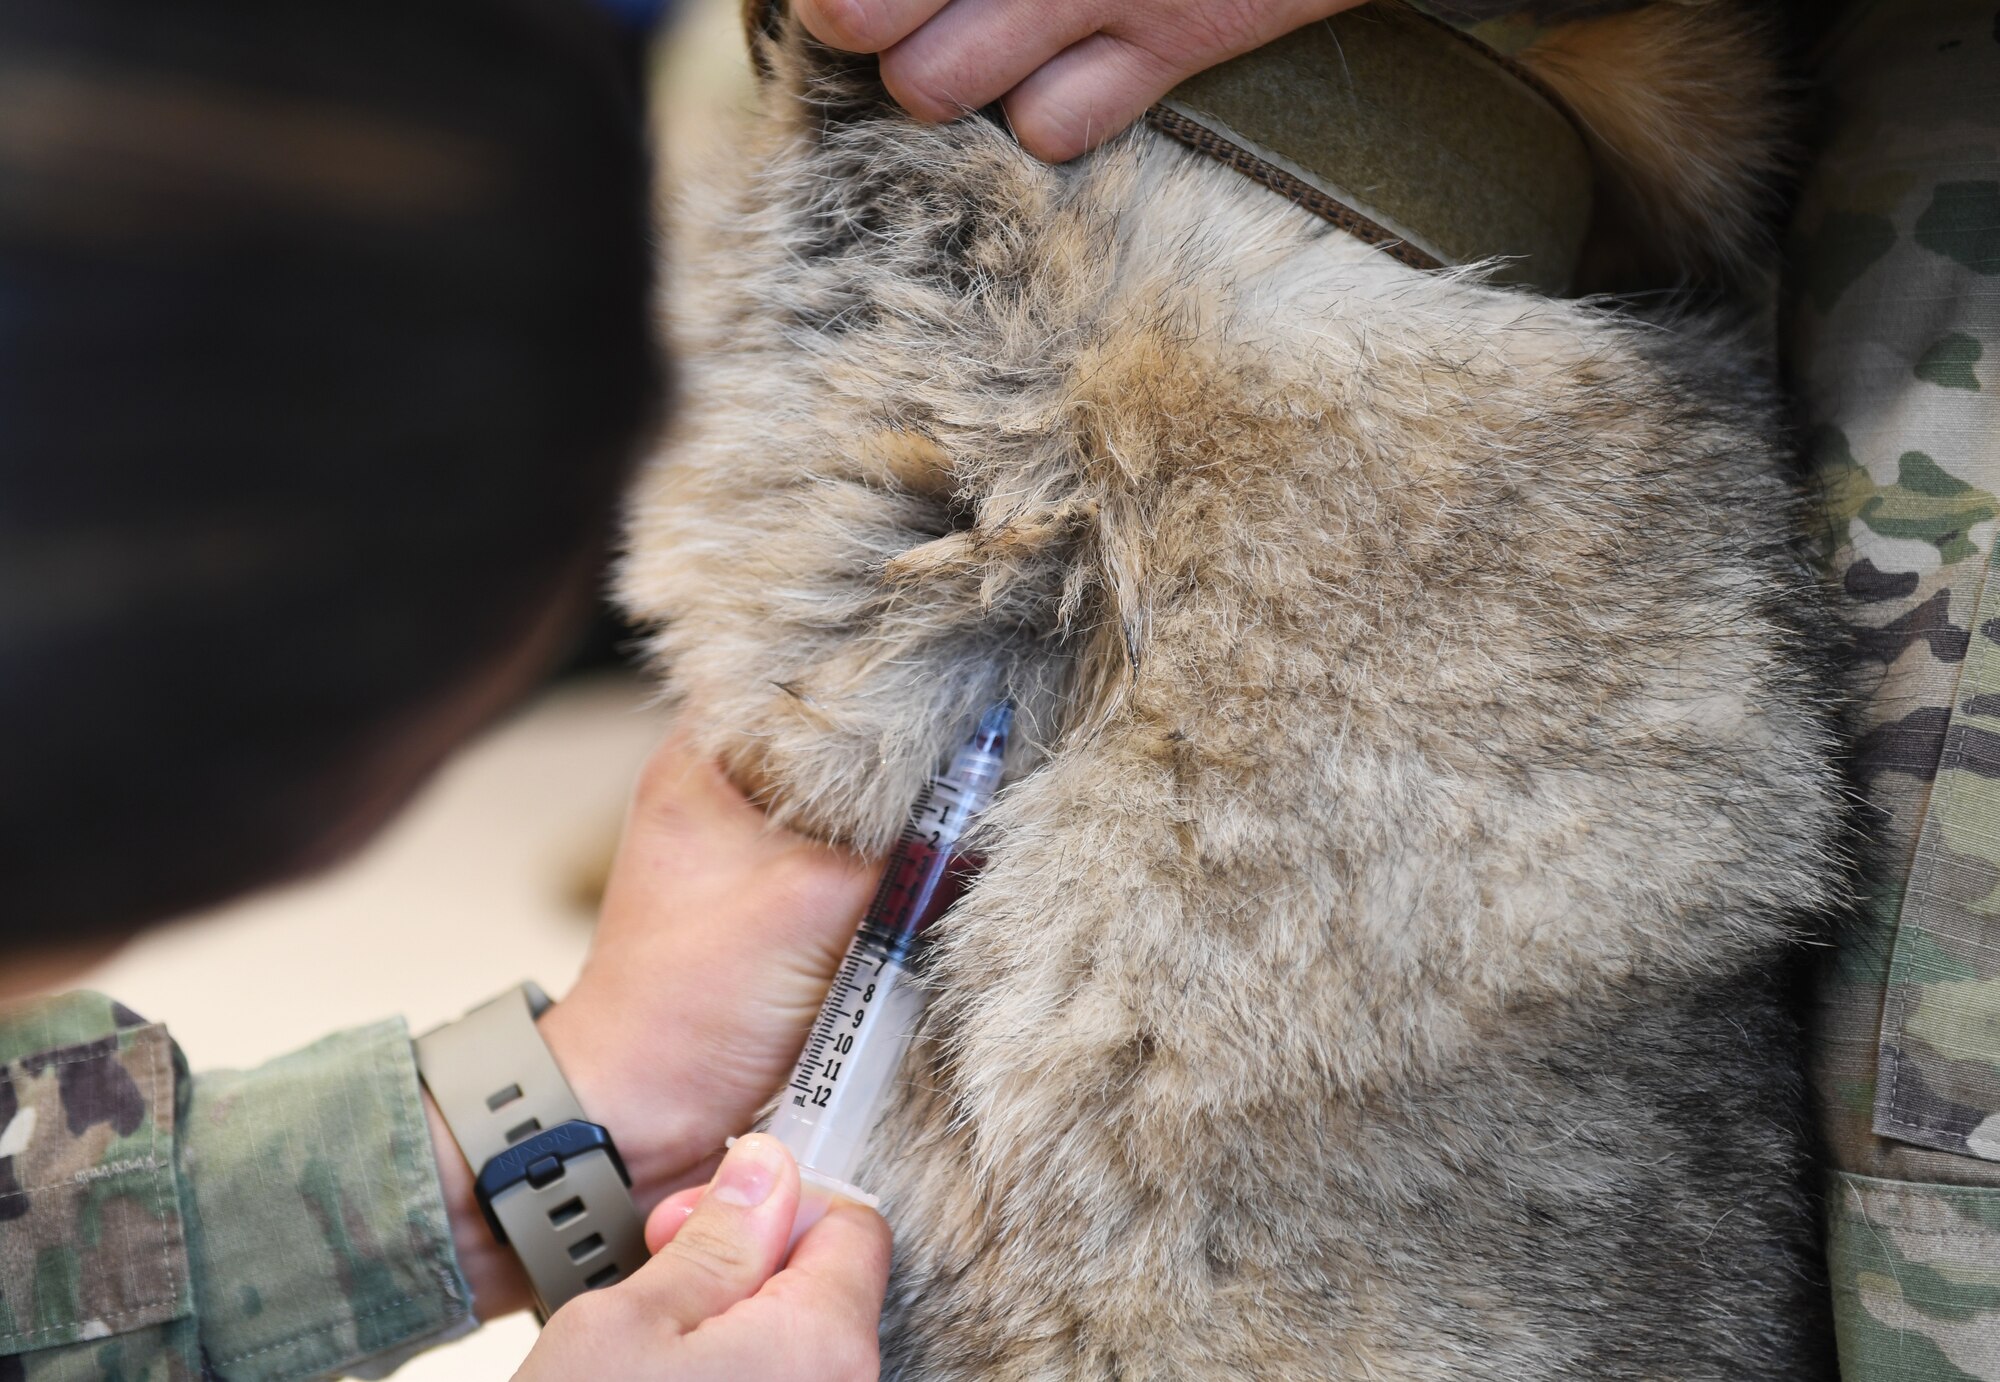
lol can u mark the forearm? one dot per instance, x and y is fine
(276, 1223)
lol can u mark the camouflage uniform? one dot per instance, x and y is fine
(280, 1223)
(1894, 331)
(287, 1222)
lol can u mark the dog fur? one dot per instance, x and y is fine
(1681, 105)
(1424, 768)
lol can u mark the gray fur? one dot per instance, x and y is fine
(1427, 769)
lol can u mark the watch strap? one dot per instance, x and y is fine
(565, 1209)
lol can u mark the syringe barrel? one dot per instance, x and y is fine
(925, 872)
(836, 1094)
(851, 1059)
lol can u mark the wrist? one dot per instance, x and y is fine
(665, 1142)
(598, 1091)
(499, 1286)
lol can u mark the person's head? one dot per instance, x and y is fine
(323, 350)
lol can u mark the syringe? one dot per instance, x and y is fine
(827, 1110)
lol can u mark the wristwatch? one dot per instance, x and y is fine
(549, 1181)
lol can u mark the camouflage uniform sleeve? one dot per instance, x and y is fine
(1893, 325)
(278, 1223)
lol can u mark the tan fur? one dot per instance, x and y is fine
(1424, 764)
(1676, 99)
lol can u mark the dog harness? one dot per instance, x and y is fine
(1407, 135)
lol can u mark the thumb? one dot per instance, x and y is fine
(733, 1241)
(669, 1214)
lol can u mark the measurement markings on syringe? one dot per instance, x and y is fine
(832, 1037)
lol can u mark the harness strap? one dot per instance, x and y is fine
(1404, 133)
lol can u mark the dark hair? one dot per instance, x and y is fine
(323, 350)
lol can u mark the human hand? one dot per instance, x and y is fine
(718, 936)
(716, 942)
(1070, 73)
(712, 1304)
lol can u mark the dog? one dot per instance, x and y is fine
(1429, 725)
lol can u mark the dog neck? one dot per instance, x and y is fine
(1403, 132)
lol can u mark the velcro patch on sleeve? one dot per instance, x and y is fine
(91, 1236)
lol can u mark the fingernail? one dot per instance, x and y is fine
(749, 1172)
